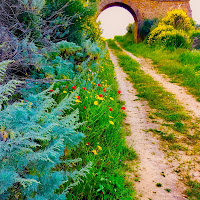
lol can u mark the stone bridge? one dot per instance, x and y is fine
(146, 9)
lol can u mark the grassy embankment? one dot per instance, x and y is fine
(104, 145)
(166, 107)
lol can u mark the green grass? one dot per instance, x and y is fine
(181, 65)
(194, 191)
(104, 143)
(164, 103)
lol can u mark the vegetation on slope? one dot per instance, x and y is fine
(62, 135)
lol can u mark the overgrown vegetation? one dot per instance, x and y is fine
(61, 128)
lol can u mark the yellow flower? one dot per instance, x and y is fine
(100, 98)
(100, 148)
(111, 117)
(88, 92)
(77, 101)
(64, 91)
(111, 122)
(94, 152)
(96, 103)
(111, 99)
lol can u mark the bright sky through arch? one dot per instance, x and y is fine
(114, 20)
(195, 6)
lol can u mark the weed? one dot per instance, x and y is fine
(168, 190)
(158, 184)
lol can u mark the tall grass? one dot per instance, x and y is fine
(104, 144)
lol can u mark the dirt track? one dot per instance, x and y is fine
(181, 94)
(153, 167)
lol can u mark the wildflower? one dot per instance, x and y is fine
(74, 87)
(111, 122)
(96, 103)
(94, 152)
(104, 89)
(111, 99)
(99, 147)
(84, 107)
(77, 101)
(119, 92)
(100, 95)
(84, 88)
(66, 86)
(99, 85)
(88, 143)
(55, 94)
(25, 100)
(111, 117)
(78, 97)
(110, 109)
(123, 108)
(64, 91)
(51, 90)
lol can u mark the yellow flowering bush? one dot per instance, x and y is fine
(154, 36)
(172, 31)
(179, 20)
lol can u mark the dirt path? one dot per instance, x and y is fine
(153, 165)
(181, 94)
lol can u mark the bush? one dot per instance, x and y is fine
(172, 31)
(179, 20)
(195, 35)
(146, 27)
(154, 36)
(174, 39)
(130, 28)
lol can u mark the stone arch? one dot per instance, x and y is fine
(128, 6)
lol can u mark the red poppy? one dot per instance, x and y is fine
(110, 109)
(55, 94)
(99, 84)
(60, 110)
(100, 95)
(66, 86)
(84, 88)
(119, 92)
(78, 97)
(51, 90)
(123, 108)
(74, 87)
(104, 89)
(84, 107)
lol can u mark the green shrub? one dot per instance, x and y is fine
(146, 27)
(172, 31)
(130, 28)
(179, 20)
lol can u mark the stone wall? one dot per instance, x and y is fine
(147, 9)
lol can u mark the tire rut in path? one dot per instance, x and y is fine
(181, 94)
(152, 160)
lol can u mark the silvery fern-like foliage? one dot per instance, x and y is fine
(35, 134)
(7, 89)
